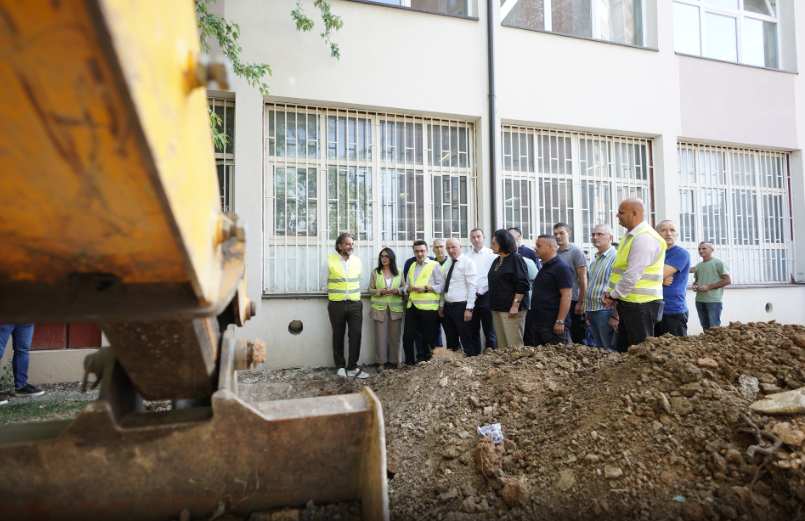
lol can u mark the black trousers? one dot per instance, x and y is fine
(578, 329)
(458, 332)
(424, 320)
(528, 337)
(674, 323)
(544, 335)
(637, 322)
(482, 316)
(343, 314)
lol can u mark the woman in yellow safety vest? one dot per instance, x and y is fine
(387, 309)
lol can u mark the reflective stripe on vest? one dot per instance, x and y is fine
(341, 286)
(649, 286)
(426, 301)
(381, 302)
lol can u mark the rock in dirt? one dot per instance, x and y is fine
(565, 481)
(516, 493)
(748, 387)
(789, 435)
(791, 402)
(612, 472)
(488, 457)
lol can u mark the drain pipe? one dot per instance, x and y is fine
(493, 127)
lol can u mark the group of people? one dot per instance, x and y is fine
(517, 295)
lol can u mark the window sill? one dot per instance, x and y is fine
(414, 9)
(301, 295)
(735, 63)
(581, 37)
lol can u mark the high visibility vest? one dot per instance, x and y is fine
(426, 301)
(649, 286)
(381, 302)
(341, 286)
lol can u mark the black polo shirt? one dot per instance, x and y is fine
(555, 274)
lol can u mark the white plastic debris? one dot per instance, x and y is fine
(749, 387)
(492, 431)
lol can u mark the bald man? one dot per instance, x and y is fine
(635, 285)
(458, 299)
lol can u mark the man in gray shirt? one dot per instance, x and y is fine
(573, 256)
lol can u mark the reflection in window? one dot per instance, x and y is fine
(403, 204)
(687, 37)
(349, 139)
(759, 43)
(296, 196)
(720, 37)
(517, 205)
(349, 192)
(457, 7)
(447, 146)
(225, 156)
(450, 206)
(618, 21)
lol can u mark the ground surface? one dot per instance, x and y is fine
(657, 433)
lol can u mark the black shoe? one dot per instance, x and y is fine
(28, 390)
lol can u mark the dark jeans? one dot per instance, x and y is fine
(578, 329)
(544, 335)
(599, 324)
(674, 323)
(22, 335)
(528, 337)
(457, 332)
(483, 316)
(637, 322)
(345, 313)
(420, 341)
(709, 314)
(424, 320)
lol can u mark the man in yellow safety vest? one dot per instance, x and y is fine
(340, 275)
(635, 285)
(423, 284)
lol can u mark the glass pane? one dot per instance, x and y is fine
(770, 44)
(526, 13)
(729, 4)
(758, 6)
(221, 113)
(617, 21)
(571, 17)
(229, 127)
(721, 37)
(753, 42)
(687, 38)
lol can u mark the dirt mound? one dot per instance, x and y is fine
(658, 433)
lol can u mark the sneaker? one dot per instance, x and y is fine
(3, 400)
(28, 390)
(357, 372)
(342, 372)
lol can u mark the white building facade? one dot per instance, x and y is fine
(693, 105)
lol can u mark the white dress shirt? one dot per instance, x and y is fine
(644, 252)
(324, 273)
(483, 261)
(462, 282)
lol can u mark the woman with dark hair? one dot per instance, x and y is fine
(508, 283)
(385, 287)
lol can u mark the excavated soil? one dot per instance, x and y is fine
(661, 432)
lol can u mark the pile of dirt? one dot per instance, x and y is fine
(658, 433)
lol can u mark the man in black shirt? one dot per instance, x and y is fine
(550, 299)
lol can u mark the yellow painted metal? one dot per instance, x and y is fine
(104, 145)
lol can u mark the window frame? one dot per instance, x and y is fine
(227, 157)
(312, 250)
(746, 261)
(739, 14)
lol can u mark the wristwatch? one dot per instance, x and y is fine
(518, 300)
(469, 309)
(560, 322)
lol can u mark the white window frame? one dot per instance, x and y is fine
(227, 157)
(595, 30)
(317, 247)
(745, 261)
(739, 15)
(576, 176)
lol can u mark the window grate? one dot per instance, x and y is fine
(737, 199)
(225, 156)
(388, 179)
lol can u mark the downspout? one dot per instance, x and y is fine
(493, 127)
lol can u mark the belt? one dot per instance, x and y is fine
(455, 303)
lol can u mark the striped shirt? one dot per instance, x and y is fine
(598, 279)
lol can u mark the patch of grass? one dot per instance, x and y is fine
(24, 411)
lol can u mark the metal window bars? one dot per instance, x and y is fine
(225, 156)
(577, 178)
(738, 199)
(388, 179)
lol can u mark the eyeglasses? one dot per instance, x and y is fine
(384, 257)
(598, 235)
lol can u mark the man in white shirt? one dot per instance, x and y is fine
(340, 277)
(458, 299)
(482, 314)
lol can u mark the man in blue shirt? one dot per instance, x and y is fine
(550, 299)
(674, 286)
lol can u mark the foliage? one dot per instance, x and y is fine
(212, 26)
(6, 377)
(25, 410)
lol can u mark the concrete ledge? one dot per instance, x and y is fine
(46, 367)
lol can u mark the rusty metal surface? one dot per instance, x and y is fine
(151, 466)
(169, 359)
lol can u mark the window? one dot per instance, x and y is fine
(570, 177)
(388, 179)
(225, 157)
(743, 31)
(737, 199)
(457, 7)
(619, 21)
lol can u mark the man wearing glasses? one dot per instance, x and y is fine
(423, 285)
(603, 321)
